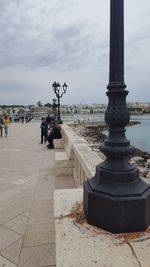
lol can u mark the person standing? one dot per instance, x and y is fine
(48, 120)
(26, 118)
(44, 130)
(6, 122)
(22, 119)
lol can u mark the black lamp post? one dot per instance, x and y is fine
(116, 199)
(59, 93)
(54, 106)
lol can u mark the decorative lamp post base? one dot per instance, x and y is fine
(123, 209)
(116, 199)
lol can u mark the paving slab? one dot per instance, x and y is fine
(6, 263)
(12, 252)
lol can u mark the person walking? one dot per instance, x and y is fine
(6, 122)
(44, 130)
(1, 127)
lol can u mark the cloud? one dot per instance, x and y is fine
(43, 41)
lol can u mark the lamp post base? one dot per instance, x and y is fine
(126, 208)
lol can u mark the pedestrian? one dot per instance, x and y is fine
(1, 127)
(6, 122)
(48, 120)
(22, 119)
(55, 133)
(44, 130)
(26, 118)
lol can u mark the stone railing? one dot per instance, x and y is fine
(78, 150)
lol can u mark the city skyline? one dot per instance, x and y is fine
(69, 42)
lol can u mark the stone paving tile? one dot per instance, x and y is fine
(40, 214)
(3, 181)
(37, 256)
(20, 181)
(28, 192)
(12, 252)
(18, 224)
(142, 250)
(6, 187)
(21, 188)
(32, 183)
(27, 214)
(23, 200)
(39, 234)
(6, 263)
(7, 237)
(2, 208)
(43, 195)
(45, 183)
(8, 194)
(11, 213)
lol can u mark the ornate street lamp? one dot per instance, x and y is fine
(59, 93)
(116, 199)
(54, 106)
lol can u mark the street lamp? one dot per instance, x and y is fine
(116, 199)
(59, 93)
(54, 106)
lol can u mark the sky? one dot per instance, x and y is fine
(68, 41)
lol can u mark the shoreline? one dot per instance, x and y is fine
(94, 135)
(96, 132)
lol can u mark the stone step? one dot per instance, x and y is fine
(62, 160)
(63, 166)
(64, 171)
(58, 143)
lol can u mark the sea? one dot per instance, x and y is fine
(139, 134)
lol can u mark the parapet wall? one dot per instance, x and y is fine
(77, 149)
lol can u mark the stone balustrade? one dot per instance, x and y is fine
(78, 151)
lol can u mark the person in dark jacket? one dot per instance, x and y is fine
(44, 130)
(55, 133)
(48, 120)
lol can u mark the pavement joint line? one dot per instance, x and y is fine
(7, 228)
(8, 260)
(133, 253)
(39, 245)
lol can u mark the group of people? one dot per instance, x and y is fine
(4, 122)
(23, 119)
(50, 130)
(26, 119)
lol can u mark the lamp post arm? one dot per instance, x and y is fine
(61, 94)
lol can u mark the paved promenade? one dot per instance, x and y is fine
(27, 181)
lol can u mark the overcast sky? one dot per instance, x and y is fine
(68, 41)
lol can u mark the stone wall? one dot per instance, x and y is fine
(78, 150)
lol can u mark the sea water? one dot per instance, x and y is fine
(139, 135)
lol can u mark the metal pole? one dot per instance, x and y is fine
(59, 118)
(116, 199)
